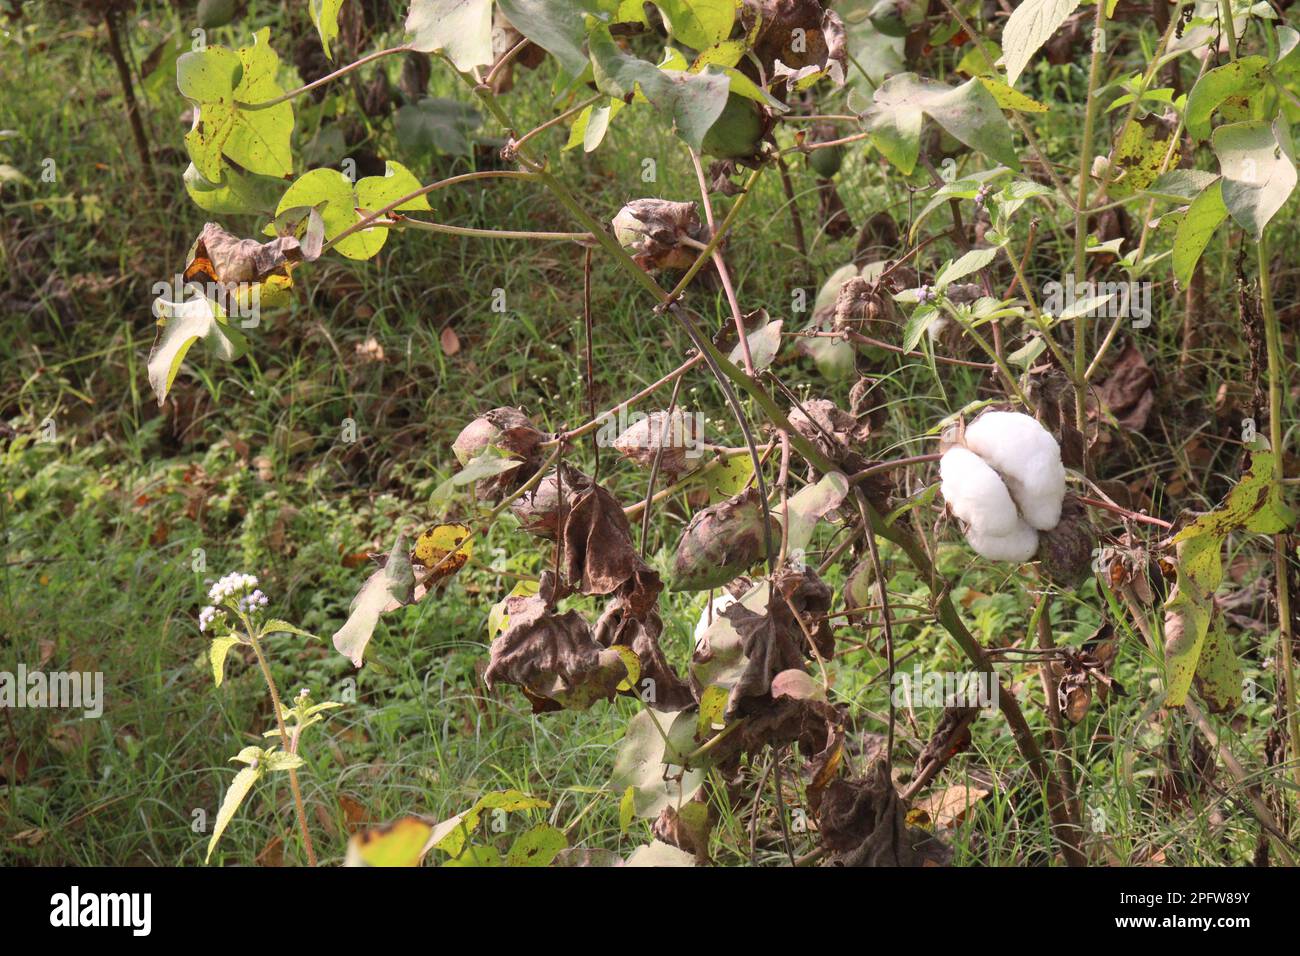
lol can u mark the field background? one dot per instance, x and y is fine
(100, 525)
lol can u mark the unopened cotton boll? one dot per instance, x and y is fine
(1027, 457)
(976, 494)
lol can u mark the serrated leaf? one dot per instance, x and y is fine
(217, 653)
(969, 263)
(238, 790)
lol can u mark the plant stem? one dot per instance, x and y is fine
(1276, 388)
(284, 740)
(128, 93)
(1081, 219)
(328, 78)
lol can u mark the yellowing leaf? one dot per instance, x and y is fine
(400, 843)
(445, 548)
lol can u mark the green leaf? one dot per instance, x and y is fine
(1030, 25)
(437, 125)
(1219, 675)
(1181, 185)
(968, 112)
(698, 24)
(810, 504)
(235, 192)
(239, 788)
(277, 626)
(1259, 172)
(400, 843)
(536, 847)
(183, 324)
(387, 588)
(281, 760)
(460, 29)
(1203, 217)
(589, 129)
(1244, 77)
(217, 655)
(1254, 504)
(693, 100)
(338, 201)
(920, 320)
(645, 756)
(221, 84)
(557, 26)
(973, 261)
(325, 14)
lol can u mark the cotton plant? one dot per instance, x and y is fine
(237, 616)
(1005, 481)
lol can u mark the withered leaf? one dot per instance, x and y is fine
(552, 657)
(226, 259)
(599, 556)
(618, 628)
(864, 823)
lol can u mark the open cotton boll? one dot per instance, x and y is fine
(1019, 544)
(1027, 457)
(720, 604)
(976, 494)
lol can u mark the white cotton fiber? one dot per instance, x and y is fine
(720, 604)
(1020, 544)
(1028, 458)
(976, 494)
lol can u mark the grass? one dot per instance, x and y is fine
(103, 525)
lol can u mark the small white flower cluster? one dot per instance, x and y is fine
(252, 602)
(239, 586)
(1006, 484)
(232, 584)
(208, 615)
